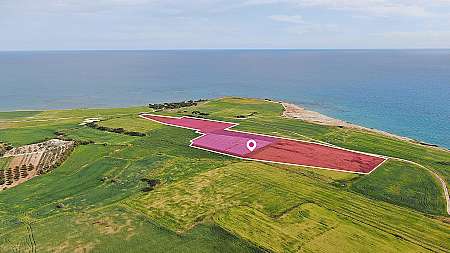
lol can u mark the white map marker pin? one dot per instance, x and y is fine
(251, 145)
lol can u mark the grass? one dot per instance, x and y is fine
(265, 205)
(212, 203)
(17, 115)
(89, 113)
(269, 121)
(81, 174)
(4, 162)
(117, 229)
(29, 135)
(87, 134)
(83, 190)
(131, 123)
(52, 117)
(404, 184)
(435, 159)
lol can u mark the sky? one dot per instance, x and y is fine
(214, 24)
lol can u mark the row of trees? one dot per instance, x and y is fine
(176, 105)
(199, 113)
(13, 174)
(49, 160)
(115, 130)
(5, 147)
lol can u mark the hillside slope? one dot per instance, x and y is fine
(119, 193)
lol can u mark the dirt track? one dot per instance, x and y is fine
(296, 112)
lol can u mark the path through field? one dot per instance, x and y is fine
(216, 136)
(442, 181)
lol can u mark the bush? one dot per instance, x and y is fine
(176, 105)
(147, 189)
(200, 113)
(151, 184)
(114, 130)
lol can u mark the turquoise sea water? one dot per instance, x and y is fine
(406, 92)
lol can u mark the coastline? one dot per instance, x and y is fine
(297, 112)
(291, 110)
(294, 111)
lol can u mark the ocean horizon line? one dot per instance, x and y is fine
(383, 89)
(224, 49)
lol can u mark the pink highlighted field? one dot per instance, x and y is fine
(204, 126)
(216, 136)
(232, 143)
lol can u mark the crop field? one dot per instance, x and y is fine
(131, 123)
(219, 137)
(404, 184)
(28, 135)
(17, 115)
(272, 200)
(29, 161)
(117, 192)
(119, 229)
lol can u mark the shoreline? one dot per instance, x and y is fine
(294, 111)
(291, 110)
(297, 112)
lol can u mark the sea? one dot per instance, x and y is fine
(405, 92)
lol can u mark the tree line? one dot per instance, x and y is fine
(118, 130)
(176, 105)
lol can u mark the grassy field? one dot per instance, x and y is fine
(28, 135)
(403, 184)
(4, 163)
(86, 134)
(266, 205)
(269, 121)
(207, 202)
(17, 115)
(117, 229)
(131, 123)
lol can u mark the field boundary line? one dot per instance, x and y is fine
(201, 134)
(265, 135)
(444, 186)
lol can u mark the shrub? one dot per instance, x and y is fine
(114, 130)
(176, 105)
(151, 184)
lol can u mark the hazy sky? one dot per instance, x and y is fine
(169, 24)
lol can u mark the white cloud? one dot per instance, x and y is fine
(309, 28)
(298, 26)
(416, 39)
(370, 7)
(92, 6)
(411, 8)
(414, 35)
(295, 19)
(218, 23)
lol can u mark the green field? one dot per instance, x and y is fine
(404, 184)
(27, 135)
(17, 115)
(207, 202)
(4, 163)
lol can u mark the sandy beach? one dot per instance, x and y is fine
(298, 112)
